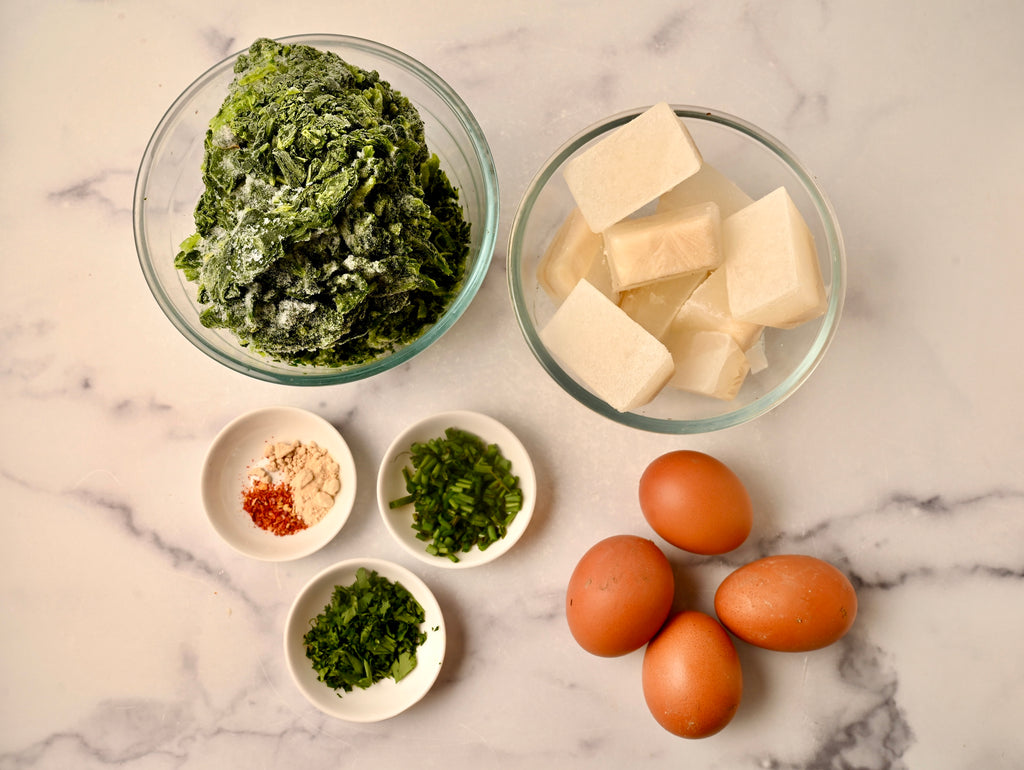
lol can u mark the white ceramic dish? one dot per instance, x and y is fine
(386, 698)
(391, 484)
(238, 447)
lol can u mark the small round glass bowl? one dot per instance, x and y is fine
(383, 699)
(758, 163)
(169, 184)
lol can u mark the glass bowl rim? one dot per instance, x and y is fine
(471, 282)
(767, 401)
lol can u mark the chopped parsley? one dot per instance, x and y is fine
(369, 631)
(327, 233)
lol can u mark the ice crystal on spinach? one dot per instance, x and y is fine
(327, 233)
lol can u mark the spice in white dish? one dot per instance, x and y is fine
(310, 471)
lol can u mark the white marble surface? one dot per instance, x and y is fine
(132, 637)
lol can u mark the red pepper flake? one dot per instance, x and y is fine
(271, 507)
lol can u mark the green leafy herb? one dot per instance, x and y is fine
(369, 631)
(327, 232)
(463, 492)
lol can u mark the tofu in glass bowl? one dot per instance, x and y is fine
(676, 269)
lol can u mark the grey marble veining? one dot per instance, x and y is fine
(132, 637)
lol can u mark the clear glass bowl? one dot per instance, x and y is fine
(169, 184)
(758, 163)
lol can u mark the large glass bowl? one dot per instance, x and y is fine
(758, 163)
(169, 184)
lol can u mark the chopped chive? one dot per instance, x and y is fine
(463, 492)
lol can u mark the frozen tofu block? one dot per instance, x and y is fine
(569, 257)
(707, 363)
(632, 166)
(756, 356)
(642, 250)
(655, 305)
(606, 349)
(707, 309)
(708, 184)
(772, 275)
(600, 277)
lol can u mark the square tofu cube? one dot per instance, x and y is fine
(664, 245)
(707, 363)
(771, 266)
(655, 305)
(632, 166)
(707, 309)
(600, 277)
(756, 355)
(708, 184)
(570, 256)
(609, 352)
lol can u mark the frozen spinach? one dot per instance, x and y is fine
(327, 233)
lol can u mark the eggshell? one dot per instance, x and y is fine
(692, 680)
(695, 502)
(619, 595)
(788, 603)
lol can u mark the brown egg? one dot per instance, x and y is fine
(691, 675)
(619, 595)
(695, 502)
(789, 603)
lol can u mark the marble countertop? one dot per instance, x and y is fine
(133, 637)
